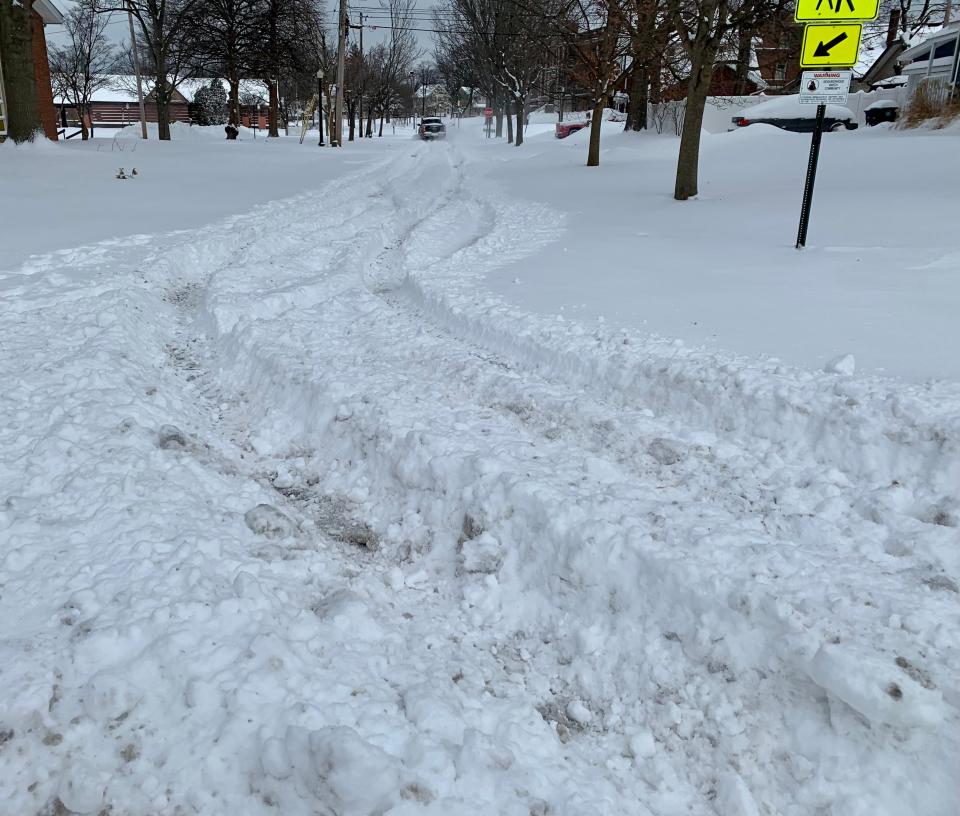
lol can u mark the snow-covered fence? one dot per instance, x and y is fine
(667, 117)
(858, 102)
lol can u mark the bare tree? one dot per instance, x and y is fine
(168, 47)
(227, 37)
(285, 33)
(389, 65)
(597, 42)
(80, 66)
(703, 27)
(506, 42)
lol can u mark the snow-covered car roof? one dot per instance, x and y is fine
(789, 107)
(882, 103)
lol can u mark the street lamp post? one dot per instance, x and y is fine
(423, 82)
(413, 98)
(320, 105)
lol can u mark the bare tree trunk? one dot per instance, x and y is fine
(233, 99)
(521, 109)
(593, 155)
(16, 51)
(273, 111)
(161, 100)
(637, 90)
(351, 115)
(382, 117)
(656, 83)
(688, 163)
(744, 42)
(509, 117)
(498, 107)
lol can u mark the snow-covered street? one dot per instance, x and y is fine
(302, 514)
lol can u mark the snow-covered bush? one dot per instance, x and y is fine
(210, 104)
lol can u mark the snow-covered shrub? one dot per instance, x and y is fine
(210, 104)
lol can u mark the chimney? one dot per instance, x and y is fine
(893, 27)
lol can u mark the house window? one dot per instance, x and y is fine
(780, 72)
(946, 49)
(921, 57)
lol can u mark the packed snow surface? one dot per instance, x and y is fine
(300, 515)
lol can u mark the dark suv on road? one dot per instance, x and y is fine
(432, 128)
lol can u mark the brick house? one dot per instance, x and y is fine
(43, 13)
(115, 105)
(777, 51)
(723, 82)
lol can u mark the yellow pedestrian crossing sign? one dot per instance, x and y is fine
(828, 11)
(830, 46)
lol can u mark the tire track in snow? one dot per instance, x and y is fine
(399, 250)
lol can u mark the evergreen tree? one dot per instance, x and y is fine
(210, 104)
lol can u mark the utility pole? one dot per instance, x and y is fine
(320, 104)
(136, 70)
(341, 66)
(362, 77)
(361, 35)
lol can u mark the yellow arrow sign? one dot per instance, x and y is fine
(830, 46)
(827, 11)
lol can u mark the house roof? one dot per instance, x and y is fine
(878, 63)
(123, 88)
(48, 12)
(948, 32)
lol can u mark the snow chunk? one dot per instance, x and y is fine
(170, 436)
(845, 364)
(579, 713)
(109, 696)
(734, 797)
(483, 554)
(643, 745)
(880, 689)
(80, 789)
(664, 452)
(268, 521)
(346, 773)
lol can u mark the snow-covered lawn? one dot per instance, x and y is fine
(314, 510)
(63, 195)
(880, 278)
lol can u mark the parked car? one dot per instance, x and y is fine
(883, 110)
(786, 113)
(432, 127)
(564, 129)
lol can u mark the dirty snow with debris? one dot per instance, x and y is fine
(298, 517)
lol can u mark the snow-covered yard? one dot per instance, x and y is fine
(351, 504)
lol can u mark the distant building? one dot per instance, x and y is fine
(777, 55)
(934, 64)
(115, 104)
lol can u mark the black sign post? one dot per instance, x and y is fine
(811, 176)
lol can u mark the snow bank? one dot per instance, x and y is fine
(539, 499)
